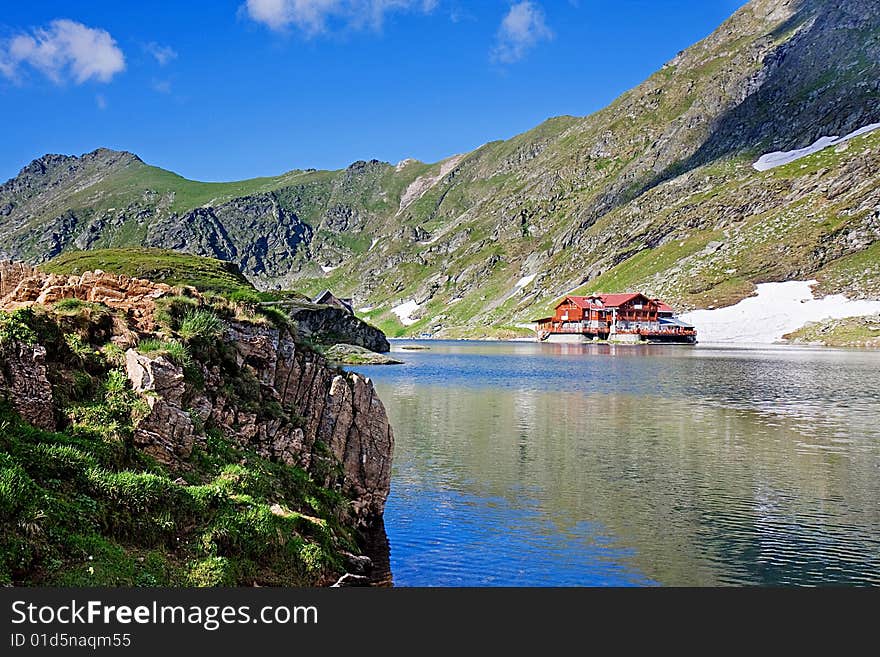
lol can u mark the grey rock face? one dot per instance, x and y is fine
(255, 232)
(350, 354)
(333, 325)
(24, 383)
(167, 433)
(340, 411)
(343, 422)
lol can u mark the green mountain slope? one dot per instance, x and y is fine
(655, 192)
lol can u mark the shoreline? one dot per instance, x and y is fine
(783, 345)
(775, 311)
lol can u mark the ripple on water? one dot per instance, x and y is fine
(517, 464)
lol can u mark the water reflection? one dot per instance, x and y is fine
(374, 542)
(572, 465)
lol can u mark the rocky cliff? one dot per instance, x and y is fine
(341, 423)
(174, 376)
(330, 325)
(338, 410)
(630, 197)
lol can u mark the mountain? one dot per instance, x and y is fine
(656, 192)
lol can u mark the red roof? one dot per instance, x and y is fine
(580, 302)
(663, 307)
(615, 300)
(612, 301)
(608, 300)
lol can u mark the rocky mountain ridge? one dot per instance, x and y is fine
(631, 197)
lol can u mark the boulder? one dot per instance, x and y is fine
(350, 354)
(167, 432)
(329, 325)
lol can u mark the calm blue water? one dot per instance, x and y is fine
(533, 464)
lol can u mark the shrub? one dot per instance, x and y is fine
(213, 571)
(113, 354)
(196, 419)
(82, 386)
(245, 388)
(16, 492)
(200, 325)
(170, 310)
(115, 414)
(313, 557)
(80, 349)
(17, 325)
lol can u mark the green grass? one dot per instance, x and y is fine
(859, 272)
(175, 351)
(83, 507)
(159, 265)
(77, 511)
(17, 325)
(112, 414)
(850, 332)
(74, 307)
(199, 325)
(134, 180)
(352, 242)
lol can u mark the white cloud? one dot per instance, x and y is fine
(63, 50)
(163, 54)
(521, 29)
(101, 102)
(313, 17)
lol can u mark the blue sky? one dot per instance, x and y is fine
(223, 90)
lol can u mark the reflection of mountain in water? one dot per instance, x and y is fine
(749, 468)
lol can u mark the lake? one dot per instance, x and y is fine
(525, 464)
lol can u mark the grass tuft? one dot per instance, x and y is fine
(200, 325)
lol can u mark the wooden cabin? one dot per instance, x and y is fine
(327, 298)
(631, 317)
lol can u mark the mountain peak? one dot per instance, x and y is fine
(110, 157)
(655, 192)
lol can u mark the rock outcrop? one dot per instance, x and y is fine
(341, 414)
(24, 383)
(341, 420)
(333, 325)
(349, 354)
(21, 285)
(167, 433)
(296, 408)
